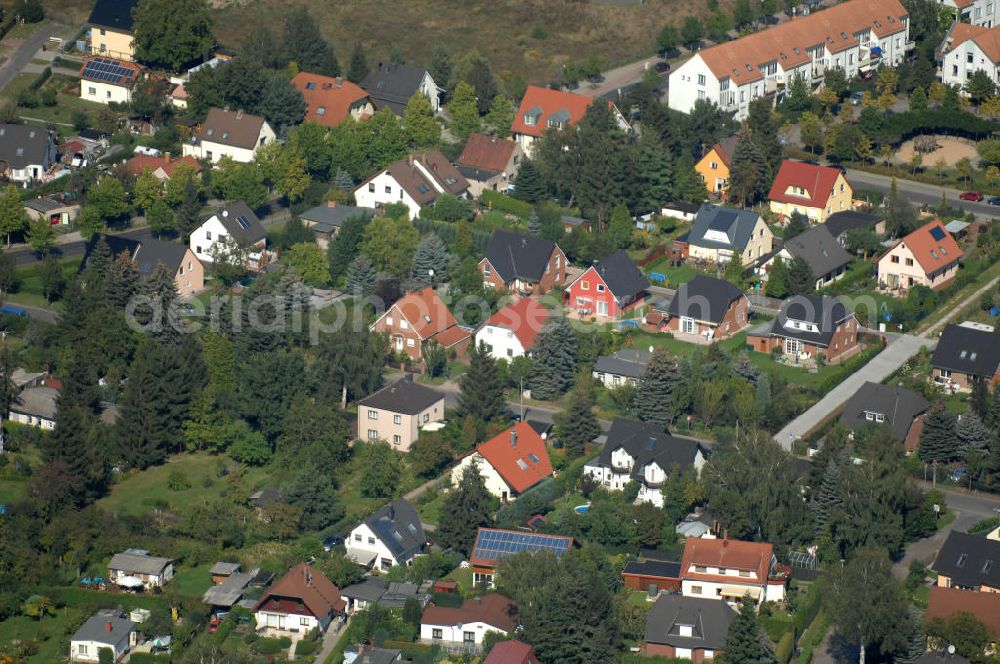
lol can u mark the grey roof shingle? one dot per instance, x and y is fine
(36, 401)
(628, 362)
(404, 396)
(839, 223)
(334, 216)
(137, 560)
(398, 526)
(391, 85)
(660, 568)
(621, 275)
(735, 225)
(246, 234)
(704, 298)
(941, 658)
(515, 256)
(708, 618)
(820, 250)
(146, 254)
(970, 560)
(233, 128)
(369, 589)
(647, 442)
(822, 310)
(25, 145)
(114, 14)
(897, 404)
(230, 591)
(96, 628)
(968, 351)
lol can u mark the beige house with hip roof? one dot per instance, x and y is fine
(397, 412)
(232, 134)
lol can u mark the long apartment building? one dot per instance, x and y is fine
(855, 36)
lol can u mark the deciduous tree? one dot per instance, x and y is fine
(172, 33)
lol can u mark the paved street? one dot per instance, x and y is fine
(919, 193)
(24, 255)
(21, 57)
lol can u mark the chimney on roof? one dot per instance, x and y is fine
(392, 512)
(725, 538)
(239, 114)
(166, 155)
(513, 438)
(331, 204)
(107, 627)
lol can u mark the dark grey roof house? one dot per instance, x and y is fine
(841, 223)
(826, 257)
(329, 217)
(26, 152)
(146, 254)
(874, 403)
(810, 319)
(627, 365)
(396, 528)
(622, 277)
(404, 396)
(114, 14)
(517, 257)
(967, 351)
(969, 561)
(941, 658)
(704, 299)
(690, 623)
(104, 629)
(717, 227)
(390, 85)
(366, 654)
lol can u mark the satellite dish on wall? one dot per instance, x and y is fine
(951, 649)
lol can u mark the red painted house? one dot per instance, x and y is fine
(609, 288)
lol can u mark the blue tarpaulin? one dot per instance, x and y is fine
(994, 311)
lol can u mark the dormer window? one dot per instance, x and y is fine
(530, 119)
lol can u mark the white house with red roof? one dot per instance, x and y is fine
(543, 109)
(105, 80)
(811, 190)
(511, 462)
(968, 49)
(298, 602)
(466, 625)
(728, 570)
(929, 256)
(489, 162)
(855, 37)
(511, 332)
(162, 168)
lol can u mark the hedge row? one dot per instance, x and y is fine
(147, 658)
(847, 368)
(783, 651)
(497, 201)
(93, 600)
(534, 501)
(899, 127)
(40, 81)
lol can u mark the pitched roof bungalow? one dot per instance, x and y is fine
(810, 190)
(232, 134)
(522, 263)
(964, 355)
(622, 367)
(900, 409)
(511, 332)
(105, 629)
(390, 536)
(646, 453)
(489, 163)
(943, 603)
(135, 568)
(827, 259)
(161, 167)
(299, 601)
(469, 623)
(731, 569)
(416, 319)
(330, 101)
(969, 562)
(928, 256)
(510, 463)
(493, 545)
(608, 289)
(719, 232)
(511, 652)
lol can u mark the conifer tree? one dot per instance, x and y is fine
(122, 280)
(314, 493)
(938, 440)
(979, 400)
(467, 507)
(763, 393)
(305, 46)
(528, 185)
(482, 390)
(973, 436)
(578, 424)
(992, 417)
(359, 64)
(800, 277)
(422, 130)
(98, 262)
(748, 181)
(777, 279)
(361, 277)
(916, 641)
(431, 260)
(621, 226)
(654, 168)
(745, 642)
(553, 360)
(534, 224)
(654, 395)
(827, 497)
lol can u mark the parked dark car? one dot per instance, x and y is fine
(994, 200)
(662, 67)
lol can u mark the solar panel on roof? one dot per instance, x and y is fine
(497, 544)
(937, 233)
(106, 71)
(243, 222)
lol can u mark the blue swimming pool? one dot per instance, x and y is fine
(582, 509)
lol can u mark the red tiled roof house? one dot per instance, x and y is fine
(416, 319)
(728, 570)
(511, 332)
(468, 624)
(928, 256)
(161, 167)
(301, 600)
(810, 190)
(544, 109)
(330, 101)
(511, 462)
(489, 162)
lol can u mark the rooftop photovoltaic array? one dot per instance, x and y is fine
(107, 71)
(498, 544)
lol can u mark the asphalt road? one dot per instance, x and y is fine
(919, 193)
(25, 52)
(26, 256)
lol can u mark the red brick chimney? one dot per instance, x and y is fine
(331, 204)
(107, 627)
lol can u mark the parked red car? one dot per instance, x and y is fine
(213, 626)
(974, 196)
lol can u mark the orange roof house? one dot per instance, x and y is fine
(730, 569)
(511, 462)
(511, 332)
(417, 318)
(302, 599)
(476, 616)
(714, 166)
(542, 109)
(964, 40)
(946, 602)
(810, 190)
(330, 101)
(162, 167)
(489, 162)
(928, 256)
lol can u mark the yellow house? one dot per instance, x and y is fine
(714, 166)
(110, 29)
(811, 190)
(719, 232)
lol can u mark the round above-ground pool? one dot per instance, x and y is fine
(582, 509)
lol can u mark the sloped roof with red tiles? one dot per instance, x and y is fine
(525, 318)
(946, 602)
(988, 39)
(425, 312)
(452, 336)
(817, 181)
(728, 554)
(137, 164)
(511, 652)
(309, 586)
(932, 246)
(328, 100)
(487, 153)
(835, 28)
(493, 609)
(518, 454)
(542, 103)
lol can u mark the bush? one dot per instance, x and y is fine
(497, 201)
(534, 501)
(178, 481)
(306, 647)
(272, 646)
(146, 658)
(984, 526)
(783, 651)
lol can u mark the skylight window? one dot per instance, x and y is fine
(963, 354)
(411, 528)
(320, 111)
(972, 356)
(522, 464)
(534, 458)
(934, 254)
(396, 536)
(961, 560)
(944, 252)
(987, 566)
(310, 86)
(651, 444)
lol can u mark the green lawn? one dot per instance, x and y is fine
(138, 493)
(193, 582)
(430, 512)
(51, 634)
(675, 275)
(30, 292)
(463, 575)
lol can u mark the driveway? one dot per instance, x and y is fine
(21, 57)
(919, 193)
(895, 354)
